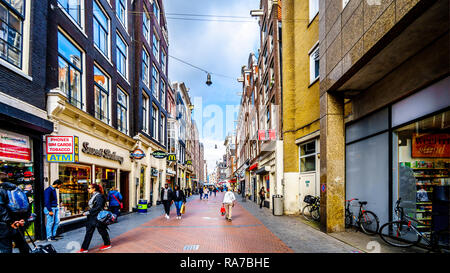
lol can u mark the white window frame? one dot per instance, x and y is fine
(157, 15)
(146, 71)
(344, 3)
(162, 125)
(155, 48)
(125, 74)
(155, 84)
(108, 38)
(162, 93)
(155, 125)
(146, 25)
(108, 92)
(127, 107)
(124, 23)
(82, 24)
(316, 152)
(145, 109)
(312, 53)
(313, 9)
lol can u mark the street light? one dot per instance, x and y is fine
(208, 80)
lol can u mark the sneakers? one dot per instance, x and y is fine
(178, 217)
(82, 251)
(167, 216)
(105, 247)
(51, 239)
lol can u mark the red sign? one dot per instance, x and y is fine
(254, 166)
(431, 145)
(14, 146)
(59, 144)
(267, 134)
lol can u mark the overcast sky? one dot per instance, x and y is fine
(218, 47)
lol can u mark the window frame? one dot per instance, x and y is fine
(156, 10)
(146, 71)
(124, 6)
(146, 25)
(162, 125)
(313, 12)
(155, 82)
(155, 112)
(119, 52)
(100, 26)
(120, 106)
(11, 11)
(155, 47)
(145, 106)
(314, 154)
(312, 65)
(162, 95)
(102, 91)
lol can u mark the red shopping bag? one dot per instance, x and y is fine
(222, 210)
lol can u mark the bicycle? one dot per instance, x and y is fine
(312, 210)
(402, 232)
(367, 221)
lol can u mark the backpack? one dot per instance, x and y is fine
(106, 217)
(18, 201)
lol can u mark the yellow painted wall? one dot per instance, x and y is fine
(301, 109)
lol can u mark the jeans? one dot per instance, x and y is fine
(17, 238)
(115, 210)
(178, 205)
(52, 222)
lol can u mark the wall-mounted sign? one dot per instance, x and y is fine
(105, 153)
(188, 162)
(267, 134)
(62, 148)
(137, 154)
(431, 145)
(171, 157)
(323, 188)
(159, 154)
(154, 172)
(14, 146)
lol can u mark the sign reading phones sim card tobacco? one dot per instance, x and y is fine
(62, 149)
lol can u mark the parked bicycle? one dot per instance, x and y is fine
(312, 210)
(403, 233)
(367, 221)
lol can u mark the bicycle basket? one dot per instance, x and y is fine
(309, 199)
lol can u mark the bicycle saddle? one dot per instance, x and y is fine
(363, 203)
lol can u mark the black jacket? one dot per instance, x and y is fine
(98, 205)
(6, 216)
(169, 194)
(181, 196)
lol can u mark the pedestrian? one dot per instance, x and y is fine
(189, 192)
(201, 192)
(215, 191)
(167, 199)
(115, 202)
(206, 192)
(51, 210)
(96, 204)
(262, 197)
(228, 201)
(179, 199)
(10, 222)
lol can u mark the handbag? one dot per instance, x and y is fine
(222, 210)
(121, 204)
(183, 209)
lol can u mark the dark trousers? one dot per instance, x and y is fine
(18, 239)
(90, 228)
(115, 210)
(166, 204)
(262, 202)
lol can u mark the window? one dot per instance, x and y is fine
(313, 9)
(11, 31)
(122, 111)
(268, 117)
(163, 61)
(121, 55)
(101, 93)
(121, 11)
(155, 45)
(156, 10)
(308, 157)
(163, 94)
(70, 70)
(155, 80)
(101, 26)
(162, 129)
(344, 3)
(145, 71)
(73, 8)
(144, 112)
(154, 122)
(314, 64)
(146, 25)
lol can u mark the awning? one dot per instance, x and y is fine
(263, 170)
(254, 166)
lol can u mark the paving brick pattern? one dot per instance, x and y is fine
(202, 229)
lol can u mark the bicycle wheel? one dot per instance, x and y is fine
(368, 222)
(307, 212)
(348, 219)
(399, 234)
(315, 213)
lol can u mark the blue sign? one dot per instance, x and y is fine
(323, 187)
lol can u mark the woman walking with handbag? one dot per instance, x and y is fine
(96, 204)
(179, 198)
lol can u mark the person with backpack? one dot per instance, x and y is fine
(115, 202)
(51, 210)
(96, 205)
(14, 209)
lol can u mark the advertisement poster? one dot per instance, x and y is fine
(14, 147)
(431, 145)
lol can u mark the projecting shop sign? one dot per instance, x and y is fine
(62, 149)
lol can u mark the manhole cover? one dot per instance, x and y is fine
(191, 247)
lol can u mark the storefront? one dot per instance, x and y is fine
(402, 151)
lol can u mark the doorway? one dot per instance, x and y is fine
(124, 190)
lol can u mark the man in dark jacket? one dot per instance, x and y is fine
(200, 190)
(51, 209)
(9, 222)
(167, 199)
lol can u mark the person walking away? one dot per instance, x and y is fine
(206, 192)
(10, 222)
(215, 191)
(51, 210)
(96, 204)
(179, 199)
(228, 201)
(201, 192)
(262, 196)
(166, 199)
(115, 202)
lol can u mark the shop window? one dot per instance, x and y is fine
(106, 178)
(73, 193)
(423, 154)
(308, 154)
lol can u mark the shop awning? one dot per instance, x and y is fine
(253, 167)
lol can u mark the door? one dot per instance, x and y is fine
(254, 190)
(307, 186)
(124, 189)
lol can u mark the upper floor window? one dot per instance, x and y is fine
(155, 81)
(162, 128)
(101, 93)
(344, 3)
(155, 45)
(122, 111)
(163, 61)
(70, 70)
(154, 122)
(314, 64)
(121, 11)
(144, 112)
(146, 25)
(12, 17)
(145, 67)
(101, 26)
(313, 9)
(163, 94)
(156, 10)
(121, 55)
(73, 8)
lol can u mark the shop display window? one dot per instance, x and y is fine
(73, 192)
(424, 172)
(106, 178)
